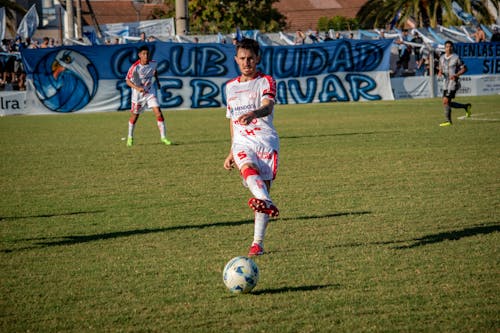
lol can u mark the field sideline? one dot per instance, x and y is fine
(389, 223)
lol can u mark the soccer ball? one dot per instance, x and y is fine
(240, 275)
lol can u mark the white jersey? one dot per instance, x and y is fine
(244, 97)
(142, 76)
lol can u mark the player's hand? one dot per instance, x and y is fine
(247, 118)
(229, 162)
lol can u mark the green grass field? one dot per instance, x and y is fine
(389, 223)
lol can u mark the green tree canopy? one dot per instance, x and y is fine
(212, 16)
(379, 13)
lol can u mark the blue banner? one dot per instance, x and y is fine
(480, 58)
(92, 78)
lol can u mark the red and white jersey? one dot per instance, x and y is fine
(142, 76)
(244, 97)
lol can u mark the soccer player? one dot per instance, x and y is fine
(254, 140)
(140, 79)
(451, 67)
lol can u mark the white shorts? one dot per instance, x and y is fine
(144, 101)
(265, 158)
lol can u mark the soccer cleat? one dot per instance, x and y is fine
(130, 142)
(166, 141)
(255, 250)
(447, 123)
(262, 206)
(468, 111)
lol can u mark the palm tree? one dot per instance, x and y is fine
(10, 9)
(379, 13)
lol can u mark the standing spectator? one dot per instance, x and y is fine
(417, 39)
(300, 37)
(140, 79)
(404, 51)
(479, 35)
(142, 38)
(45, 43)
(327, 37)
(254, 140)
(496, 35)
(451, 67)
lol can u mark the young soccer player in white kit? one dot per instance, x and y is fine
(254, 140)
(140, 79)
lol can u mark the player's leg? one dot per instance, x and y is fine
(134, 116)
(447, 109)
(258, 169)
(162, 127)
(467, 107)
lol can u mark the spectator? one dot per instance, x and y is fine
(417, 39)
(496, 35)
(338, 35)
(45, 43)
(142, 37)
(327, 37)
(300, 37)
(479, 35)
(313, 37)
(404, 52)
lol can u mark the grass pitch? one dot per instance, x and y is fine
(388, 223)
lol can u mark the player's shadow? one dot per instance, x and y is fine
(80, 239)
(293, 289)
(451, 236)
(9, 218)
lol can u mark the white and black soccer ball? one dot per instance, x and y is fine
(240, 275)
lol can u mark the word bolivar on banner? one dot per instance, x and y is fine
(92, 78)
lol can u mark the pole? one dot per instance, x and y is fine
(431, 73)
(181, 17)
(70, 28)
(79, 33)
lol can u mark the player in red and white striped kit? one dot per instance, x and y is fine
(254, 140)
(140, 79)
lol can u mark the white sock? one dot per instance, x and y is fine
(131, 128)
(259, 231)
(163, 129)
(256, 185)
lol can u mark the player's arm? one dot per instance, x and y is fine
(462, 70)
(229, 161)
(157, 79)
(134, 86)
(265, 110)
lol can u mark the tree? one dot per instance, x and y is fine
(10, 9)
(338, 23)
(212, 16)
(167, 13)
(379, 13)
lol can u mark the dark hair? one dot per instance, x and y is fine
(448, 42)
(248, 44)
(143, 48)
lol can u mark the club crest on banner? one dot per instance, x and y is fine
(65, 80)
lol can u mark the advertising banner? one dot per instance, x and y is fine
(194, 75)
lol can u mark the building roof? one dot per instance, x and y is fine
(118, 11)
(304, 14)
(301, 14)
